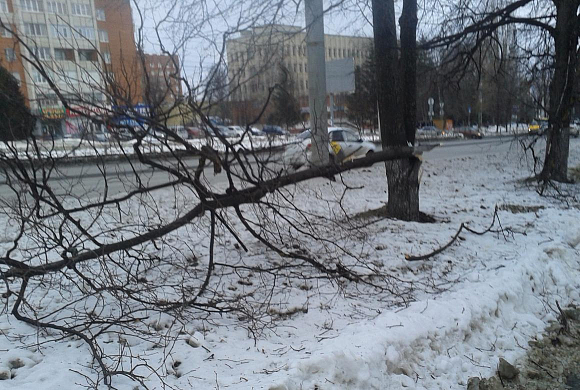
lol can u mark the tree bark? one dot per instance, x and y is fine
(387, 71)
(408, 65)
(561, 88)
(397, 93)
(403, 182)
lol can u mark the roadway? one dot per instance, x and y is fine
(88, 180)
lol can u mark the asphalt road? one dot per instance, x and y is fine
(90, 180)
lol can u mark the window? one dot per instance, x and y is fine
(100, 14)
(300, 67)
(35, 29)
(5, 33)
(4, 6)
(60, 54)
(31, 5)
(336, 136)
(48, 101)
(56, 7)
(107, 57)
(349, 136)
(80, 9)
(10, 55)
(92, 77)
(70, 75)
(103, 36)
(37, 78)
(87, 55)
(43, 53)
(85, 32)
(61, 31)
(16, 75)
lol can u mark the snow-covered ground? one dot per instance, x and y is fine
(438, 323)
(75, 147)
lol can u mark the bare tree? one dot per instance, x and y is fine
(144, 249)
(548, 33)
(396, 68)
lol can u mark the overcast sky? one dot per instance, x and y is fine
(195, 29)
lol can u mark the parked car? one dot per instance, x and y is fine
(255, 131)
(122, 135)
(344, 144)
(428, 131)
(224, 131)
(194, 132)
(469, 132)
(239, 130)
(97, 136)
(273, 130)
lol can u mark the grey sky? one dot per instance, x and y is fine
(195, 29)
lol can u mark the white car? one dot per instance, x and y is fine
(344, 144)
(239, 130)
(255, 131)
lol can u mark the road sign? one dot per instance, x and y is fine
(340, 76)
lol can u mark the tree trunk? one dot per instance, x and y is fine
(387, 72)
(397, 95)
(408, 65)
(403, 181)
(558, 139)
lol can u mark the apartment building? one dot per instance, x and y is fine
(82, 46)
(162, 78)
(258, 56)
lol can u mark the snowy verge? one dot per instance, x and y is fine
(439, 343)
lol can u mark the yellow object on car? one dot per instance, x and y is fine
(534, 128)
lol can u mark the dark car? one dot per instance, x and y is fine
(273, 130)
(470, 133)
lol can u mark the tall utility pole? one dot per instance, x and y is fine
(314, 13)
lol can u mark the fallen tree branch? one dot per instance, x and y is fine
(454, 238)
(233, 199)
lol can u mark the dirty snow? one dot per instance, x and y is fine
(485, 297)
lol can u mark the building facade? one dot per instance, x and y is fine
(162, 79)
(263, 56)
(83, 47)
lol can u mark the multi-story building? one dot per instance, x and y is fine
(259, 57)
(162, 84)
(81, 46)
